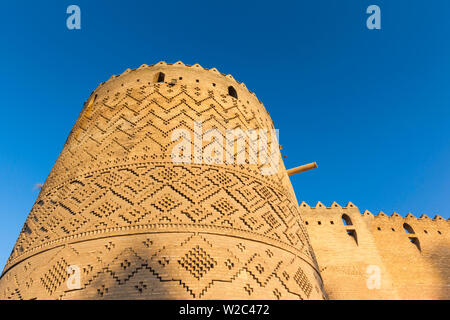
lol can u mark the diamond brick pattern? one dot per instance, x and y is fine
(197, 262)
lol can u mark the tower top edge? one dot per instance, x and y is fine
(195, 66)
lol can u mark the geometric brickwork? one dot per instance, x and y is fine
(139, 225)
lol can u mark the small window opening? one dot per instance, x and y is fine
(346, 220)
(415, 241)
(332, 222)
(160, 77)
(352, 234)
(232, 92)
(306, 222)
(408, 228)
(319, 223)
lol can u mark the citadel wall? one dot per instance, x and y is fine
(413, 263)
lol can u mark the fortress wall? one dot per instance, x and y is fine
(343, 261)
(421, 270)
(406, 271)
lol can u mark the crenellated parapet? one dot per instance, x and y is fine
(366, 213)
(437, 226)
(174, 75)
(195, 67)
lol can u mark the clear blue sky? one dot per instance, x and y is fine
(371, 107)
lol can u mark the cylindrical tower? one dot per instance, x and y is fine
(120, 218)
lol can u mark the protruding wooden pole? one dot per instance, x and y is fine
(303, 168)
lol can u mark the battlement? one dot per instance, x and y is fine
(180, 68)
(367, 213)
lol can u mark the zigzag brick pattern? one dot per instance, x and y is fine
(140, 226)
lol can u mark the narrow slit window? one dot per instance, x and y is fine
(415, 241)
(352, 234)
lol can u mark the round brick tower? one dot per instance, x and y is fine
(118, 218)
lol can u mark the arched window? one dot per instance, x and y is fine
(232, 92)
(160, 77)
(346, 220)
(408, 228)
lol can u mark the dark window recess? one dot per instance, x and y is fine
(232, 92)
(26, 229)
(160, 77)
(346, 220)
(415, 241)
(352, 234)
(408, 228)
